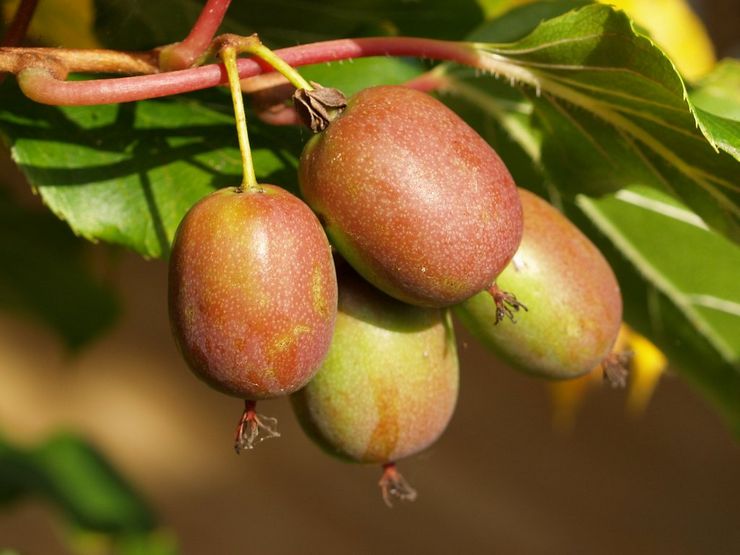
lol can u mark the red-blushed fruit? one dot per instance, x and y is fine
(389, 384)
(412, 197)
(252, 292)
(572, 296)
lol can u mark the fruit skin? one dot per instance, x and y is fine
(573, 299)
(389, 384)
(412, 197)
(252, 292)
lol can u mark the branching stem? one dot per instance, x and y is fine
(253, 45)
(187, 53)
(48, 89)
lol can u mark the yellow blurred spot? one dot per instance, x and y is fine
(648, 363)
(647, 366)
(567, 397)
(677, 30)
(66, 23)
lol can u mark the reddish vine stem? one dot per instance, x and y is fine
(42, 86)
(185, 54)
(21, 20)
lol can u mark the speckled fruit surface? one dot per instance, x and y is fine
(389, 384)
(252, 292)
(574, 302)
(412, 197)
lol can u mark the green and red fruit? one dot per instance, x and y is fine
(572, 296)
(389, 384)
(412, 197)
(252, 292)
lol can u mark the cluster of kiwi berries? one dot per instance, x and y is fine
(427, 221)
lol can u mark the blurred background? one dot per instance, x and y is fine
(502, 479)
(499, 480)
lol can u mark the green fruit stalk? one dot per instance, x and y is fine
(412, 197)
(389, 384)
(252, 292)
(572, 296)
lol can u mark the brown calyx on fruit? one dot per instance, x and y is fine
(506, 303)
(317, 108)
(394, 485)
(253, 428)
(616, 368)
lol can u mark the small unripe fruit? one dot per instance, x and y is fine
(413, 198)
(572, 296)
(252, 292)
(389, 384)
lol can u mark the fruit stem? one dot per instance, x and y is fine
(249, 179)
(185, 54)
(394, 485)
(253, 428)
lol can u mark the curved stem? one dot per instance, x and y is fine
(47, 90)
(249, 179)
(18, 27)
(185, 54)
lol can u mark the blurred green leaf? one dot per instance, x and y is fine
(100, 506)
(716, 101)
(91, 493)
(517, 22)
(127, 24)
(719, 92)
(43, 273)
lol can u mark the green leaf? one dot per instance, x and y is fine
(614, 112)
(679, 282)
(74, 476)
(43, 273)
(126, 174)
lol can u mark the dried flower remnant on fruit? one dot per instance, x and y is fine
(616, 368)
(253, 428)
(394, 486)
(317, 108)
(506, 303)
